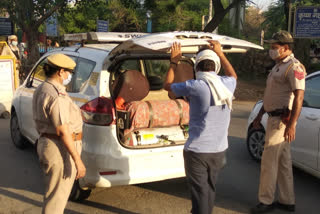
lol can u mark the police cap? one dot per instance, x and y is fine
(281, 37)
(12, 37)
(61, 61)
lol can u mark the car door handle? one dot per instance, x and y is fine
(311, 117)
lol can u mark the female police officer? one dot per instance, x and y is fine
(59, 123)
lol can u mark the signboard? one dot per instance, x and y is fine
(307, 22)
(5, 26)
(102, 26)
(52, 26)
(6, 83)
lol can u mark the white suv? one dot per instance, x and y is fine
(139, 139)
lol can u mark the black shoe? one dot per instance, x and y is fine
(286, 207)
(261, 208)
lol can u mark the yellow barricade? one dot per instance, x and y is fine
(9, 81)
(9, 57)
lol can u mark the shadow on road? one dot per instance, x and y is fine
(107, 207)
(19, 168)
(237, 183)
(29, 200)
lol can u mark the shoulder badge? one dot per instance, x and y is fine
(299, 73)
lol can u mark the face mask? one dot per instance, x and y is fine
(14, 43)
(274, 53)
(68, 80)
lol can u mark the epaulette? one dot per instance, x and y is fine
(297, 63)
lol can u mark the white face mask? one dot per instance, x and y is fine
(274, 53)
(14, 43)
(68, 80)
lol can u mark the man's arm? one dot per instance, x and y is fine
(290, 131)
(227, 67)
(175, 57)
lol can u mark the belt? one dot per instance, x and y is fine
(75, 136)
(276, 113)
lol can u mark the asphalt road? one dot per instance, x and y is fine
(21, 183)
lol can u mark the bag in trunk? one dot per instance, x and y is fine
(157, 113)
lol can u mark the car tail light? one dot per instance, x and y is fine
(99, 111)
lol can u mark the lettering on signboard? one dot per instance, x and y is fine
(304, 15)
(316, 15)
(307, 22)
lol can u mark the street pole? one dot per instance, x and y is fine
(290, 17)
(210, 11)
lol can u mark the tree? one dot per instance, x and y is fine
(82, 17)
(123, 16)
(277, 19)
(220, 12)
(127, 16)
(253, 19)
(170, 15)
(29, 15)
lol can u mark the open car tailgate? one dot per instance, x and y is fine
(190, 42)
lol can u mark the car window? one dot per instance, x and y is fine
(130, 64)
(312, 92)
(38, 75)
(81, 75)
(156, 72)
(157, 68)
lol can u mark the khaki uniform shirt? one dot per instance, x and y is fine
(52, 107)
(286, 76)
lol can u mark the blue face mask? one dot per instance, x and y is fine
(68, 80)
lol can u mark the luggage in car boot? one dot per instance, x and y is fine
(131, 85)
(157, 113)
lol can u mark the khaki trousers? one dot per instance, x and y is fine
(276, 165)
(59, 173)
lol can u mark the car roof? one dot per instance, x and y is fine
(313, 74)
(95, 53)
(106, 37)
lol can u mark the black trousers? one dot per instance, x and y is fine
(202, 171)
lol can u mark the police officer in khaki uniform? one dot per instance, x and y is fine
(59, 123)
(282, 101)
(13, 51)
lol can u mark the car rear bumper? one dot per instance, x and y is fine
(110, 164)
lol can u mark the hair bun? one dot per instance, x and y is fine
(46, 67)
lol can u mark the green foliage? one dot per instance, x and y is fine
(125, 19)
(82, 17)
(225, 28)
(29, 15)
(174, 15)
(130, 15)
(123, 16)
(275, 18)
